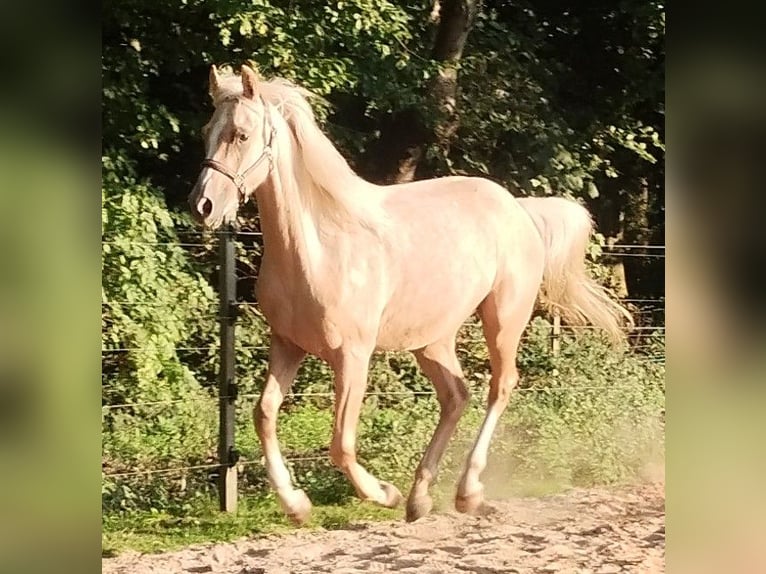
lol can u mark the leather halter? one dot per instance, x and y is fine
(239, 179)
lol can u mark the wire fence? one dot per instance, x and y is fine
(331, 395)
(241, 463)
(211, 466)
(642, 305)
(292, 459)
(464, 340)
(258, 234)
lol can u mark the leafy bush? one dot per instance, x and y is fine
(144, 277)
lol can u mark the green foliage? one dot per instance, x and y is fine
(156, 58)
(144, 278)
(351, 42)
(547, 99)
(528, 119)
(157, 531)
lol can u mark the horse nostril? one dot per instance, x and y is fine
(204, 207)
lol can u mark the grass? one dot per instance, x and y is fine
(260, 515)
(151, 532)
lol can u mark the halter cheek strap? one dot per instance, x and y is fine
(239, 179)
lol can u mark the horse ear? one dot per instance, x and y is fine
(249, 81)
(213, 81)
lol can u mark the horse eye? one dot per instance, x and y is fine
(243, 137)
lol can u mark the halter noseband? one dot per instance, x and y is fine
(238, 179)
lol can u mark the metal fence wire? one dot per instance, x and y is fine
(228, 462)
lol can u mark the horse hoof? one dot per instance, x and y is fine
(418, 507)
(473, 509)
(472, 504)
(391, 495)
(298, 508)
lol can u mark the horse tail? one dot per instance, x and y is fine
(565, 227)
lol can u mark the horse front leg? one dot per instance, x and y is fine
(284, 360)
(350, 383)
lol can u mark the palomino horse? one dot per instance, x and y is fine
(350, 267)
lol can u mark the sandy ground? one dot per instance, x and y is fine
(595, 531)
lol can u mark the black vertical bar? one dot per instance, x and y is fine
(227, 479)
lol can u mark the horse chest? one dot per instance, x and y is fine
(314, 323)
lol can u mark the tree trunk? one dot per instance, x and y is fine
(623, 217)
(638, 232)
(397, 156)
(609, 212)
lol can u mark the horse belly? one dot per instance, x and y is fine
(449, 262)
(426, 313)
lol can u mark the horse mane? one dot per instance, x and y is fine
(335, 190)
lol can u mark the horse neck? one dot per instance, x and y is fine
(289, 225)
(304, 223)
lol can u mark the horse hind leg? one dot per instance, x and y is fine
(504, 315)
(440, 364)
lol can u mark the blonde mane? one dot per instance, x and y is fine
(331, 189)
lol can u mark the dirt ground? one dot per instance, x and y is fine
(598, 531)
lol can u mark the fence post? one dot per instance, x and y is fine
(227, 387)
(556, 335)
